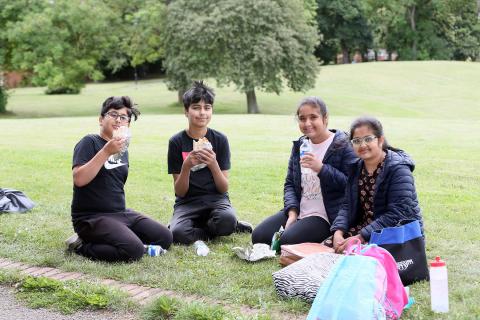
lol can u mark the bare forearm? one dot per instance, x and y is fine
(182, 182)
(84, 174)
(220, 178)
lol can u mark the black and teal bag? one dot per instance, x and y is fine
(406, 244)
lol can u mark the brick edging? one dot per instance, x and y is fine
(139, 294)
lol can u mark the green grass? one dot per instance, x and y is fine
(66, 297)
(440, 90)
(166, 308)
(441, 134)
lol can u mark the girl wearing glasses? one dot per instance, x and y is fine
(315, 183)
(105, 229)
(380, 190)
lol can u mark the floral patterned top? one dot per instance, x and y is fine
(366, 188)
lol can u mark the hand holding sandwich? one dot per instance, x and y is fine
(206, 156)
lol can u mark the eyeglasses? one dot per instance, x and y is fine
(359, 141)
(115, 116)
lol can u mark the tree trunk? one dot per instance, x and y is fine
(252, 102)
(181, 92)
(135, 73)
(413, 26)
(345, 55)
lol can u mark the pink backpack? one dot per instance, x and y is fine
(396, 297)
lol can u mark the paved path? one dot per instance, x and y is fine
(11, 309)
(139, 294)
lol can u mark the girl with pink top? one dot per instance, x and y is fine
(315, 183)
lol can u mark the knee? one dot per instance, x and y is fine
(258, 236)
(133, 252)
(288, 238)
(225, 224)
(182, 236)
(166, 240)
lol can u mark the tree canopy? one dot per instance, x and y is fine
(255, 44)
(138, 25)
(59, 46)
(343, 27)
(427, 29)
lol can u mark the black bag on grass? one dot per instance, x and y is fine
(406, 244)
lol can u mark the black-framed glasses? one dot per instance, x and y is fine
(115, 116)
(359, 141)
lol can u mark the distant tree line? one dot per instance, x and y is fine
(253, 44)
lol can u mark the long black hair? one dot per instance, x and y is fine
(375, 126)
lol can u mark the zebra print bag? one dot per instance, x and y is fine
(303, 278)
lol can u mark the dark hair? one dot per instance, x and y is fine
(198, 92)
(315, 102)
(375, 126)
(118, 103)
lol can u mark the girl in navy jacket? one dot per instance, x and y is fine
(380, 190)
(315, 184)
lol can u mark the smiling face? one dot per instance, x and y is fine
(366, 145)
(312, 123)
(113, 119)
(199, 114)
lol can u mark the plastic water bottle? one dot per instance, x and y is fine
(201, 248)
(439, 285)
(305, 147)
(154, 250)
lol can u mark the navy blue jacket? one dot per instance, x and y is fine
(333, 175)
(395, 198)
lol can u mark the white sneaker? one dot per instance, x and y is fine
(73, 243)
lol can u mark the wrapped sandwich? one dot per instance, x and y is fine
(122, 132)
(202, 143)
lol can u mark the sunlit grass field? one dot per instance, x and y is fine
(429, 109)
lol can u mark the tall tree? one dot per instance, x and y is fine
(3, 97)
(60, 46)
(426, 29)
(343, 26)
(10, 13)
(458, 22)
(255, 44)
(138, 25)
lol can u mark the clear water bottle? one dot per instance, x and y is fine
(154, 250)
(305, 147)
(438, 285)
(201, 248)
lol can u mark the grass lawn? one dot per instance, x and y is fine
(440, 90)
(434, 117)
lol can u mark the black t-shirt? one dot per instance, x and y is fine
(201, 181)
(105, 192)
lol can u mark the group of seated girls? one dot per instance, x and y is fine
(356, 184)
(348, 187)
